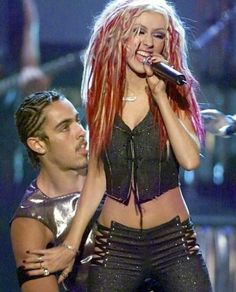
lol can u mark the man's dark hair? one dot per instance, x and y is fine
(29, 118)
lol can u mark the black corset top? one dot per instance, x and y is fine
(134, 160)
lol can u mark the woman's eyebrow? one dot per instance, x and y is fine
(155, 29)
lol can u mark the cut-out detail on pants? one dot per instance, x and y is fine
(179, 240)
(100, 249)
(125, 257)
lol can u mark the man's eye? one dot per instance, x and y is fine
(65, 127)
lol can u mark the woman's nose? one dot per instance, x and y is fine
(148, 40)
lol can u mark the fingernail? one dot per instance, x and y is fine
(147, 61)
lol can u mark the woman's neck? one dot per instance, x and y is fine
(135, 84)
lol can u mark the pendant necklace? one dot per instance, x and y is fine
(129, 98)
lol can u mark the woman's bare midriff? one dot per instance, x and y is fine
(155, 212)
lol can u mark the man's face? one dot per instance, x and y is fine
(66, 144)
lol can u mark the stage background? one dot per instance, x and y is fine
(209, 191)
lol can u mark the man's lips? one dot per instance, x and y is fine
(82, 148)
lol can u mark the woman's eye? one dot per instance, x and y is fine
(138, 31)
(141, 32)
(159, 36)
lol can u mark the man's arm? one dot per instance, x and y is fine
(28, 234)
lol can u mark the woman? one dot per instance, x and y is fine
(142, 128)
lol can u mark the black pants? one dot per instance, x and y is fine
(163, 258)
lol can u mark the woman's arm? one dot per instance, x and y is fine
(92, 194)
(27, 233)
(181, 134)
(62, 258)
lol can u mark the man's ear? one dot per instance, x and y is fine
(37, 145)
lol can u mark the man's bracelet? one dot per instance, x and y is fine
(70, 247)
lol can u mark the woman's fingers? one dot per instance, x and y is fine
(54, 259)
(158, 58)
(156, 85)
(147, 66)
(151, 60)
(64, 274)
(38, 268)
(34, 266)
(39, 252)
(44, 270)
(34, 258)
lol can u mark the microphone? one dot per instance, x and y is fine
(169, 73)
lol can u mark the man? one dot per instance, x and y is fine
(49, 127)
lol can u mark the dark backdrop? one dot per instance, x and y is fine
(65, 28)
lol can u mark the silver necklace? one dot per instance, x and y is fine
(129, 98)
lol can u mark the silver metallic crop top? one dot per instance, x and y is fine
(56, 213)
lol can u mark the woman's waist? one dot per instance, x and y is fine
(157, 211)
(145, 191)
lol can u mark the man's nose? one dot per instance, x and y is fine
(80, 131)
